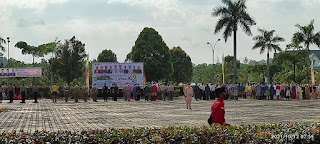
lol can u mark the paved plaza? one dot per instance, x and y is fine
(120, 114)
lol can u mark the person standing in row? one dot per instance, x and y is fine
(212, 92)
(153, 90)
(272, 92)
(112, 90)
(188, 94)
(197, 92)
(85, 93)
(139, 92)
(54, 93)
(94, 91)
(23, 92)
(1, 91)
(66, 92)
(248, 91)
(128, 91)
(207, 92)
(171, 90)
(116, 92)
(76, 93)
(105, 92)
(202, 89)
(146, 92)
(11, 91)
(35, 91)
(162, 92)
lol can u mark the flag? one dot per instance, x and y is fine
(312, 72)
(223, 68)
(87, 72)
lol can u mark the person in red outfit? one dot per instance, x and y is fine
(217, 108)
(153, 92)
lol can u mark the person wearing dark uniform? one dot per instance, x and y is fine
(207, 93)
(115, 89)
(138, 92)
(94, 91)
(1, 91)
(11, 89)
(23, 92)
(105, 92)
(197, 92)
(66, 92)
(35, 91)
(76, 93)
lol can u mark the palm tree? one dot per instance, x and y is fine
(2, 41)
(231, 15)
(266, 41)
(307, 36)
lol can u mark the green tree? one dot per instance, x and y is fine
(70, 60)
(233, 14)
(202, 73)
(36, 51)
(289, 65)
(267, 42)
(228, 66)
(182, 65)
(107, 56)
(150, 49)
(2, 41)
(307, 36)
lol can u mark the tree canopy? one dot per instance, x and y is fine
(182, 65)
(70, 59)
(107, 56)
(150, 49)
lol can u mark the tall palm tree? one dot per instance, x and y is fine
(267, 42)
(2, 41)
(232, 15)
(307, 36)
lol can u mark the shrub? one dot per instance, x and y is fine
(254, 133)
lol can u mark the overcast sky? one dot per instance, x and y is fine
(116, 24)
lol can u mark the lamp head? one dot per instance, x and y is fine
(208, 43)
(219, 39)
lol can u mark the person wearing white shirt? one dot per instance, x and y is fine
(212, 92)
(202, 88)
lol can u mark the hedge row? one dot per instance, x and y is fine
(246, 133)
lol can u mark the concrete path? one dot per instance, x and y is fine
(120, 114)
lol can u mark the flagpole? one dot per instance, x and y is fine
(223, 82)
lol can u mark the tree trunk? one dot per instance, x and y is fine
(234, 56)
(268, 70)
(308, 64)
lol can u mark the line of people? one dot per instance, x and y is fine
(273, 91)
(11, 90)
(150, 92)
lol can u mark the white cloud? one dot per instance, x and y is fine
(32, 4)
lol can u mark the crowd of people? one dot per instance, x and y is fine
(163, 91)
(150, 92)
(259, 91)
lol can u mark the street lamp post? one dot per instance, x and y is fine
(213, 47)
(8, 60)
